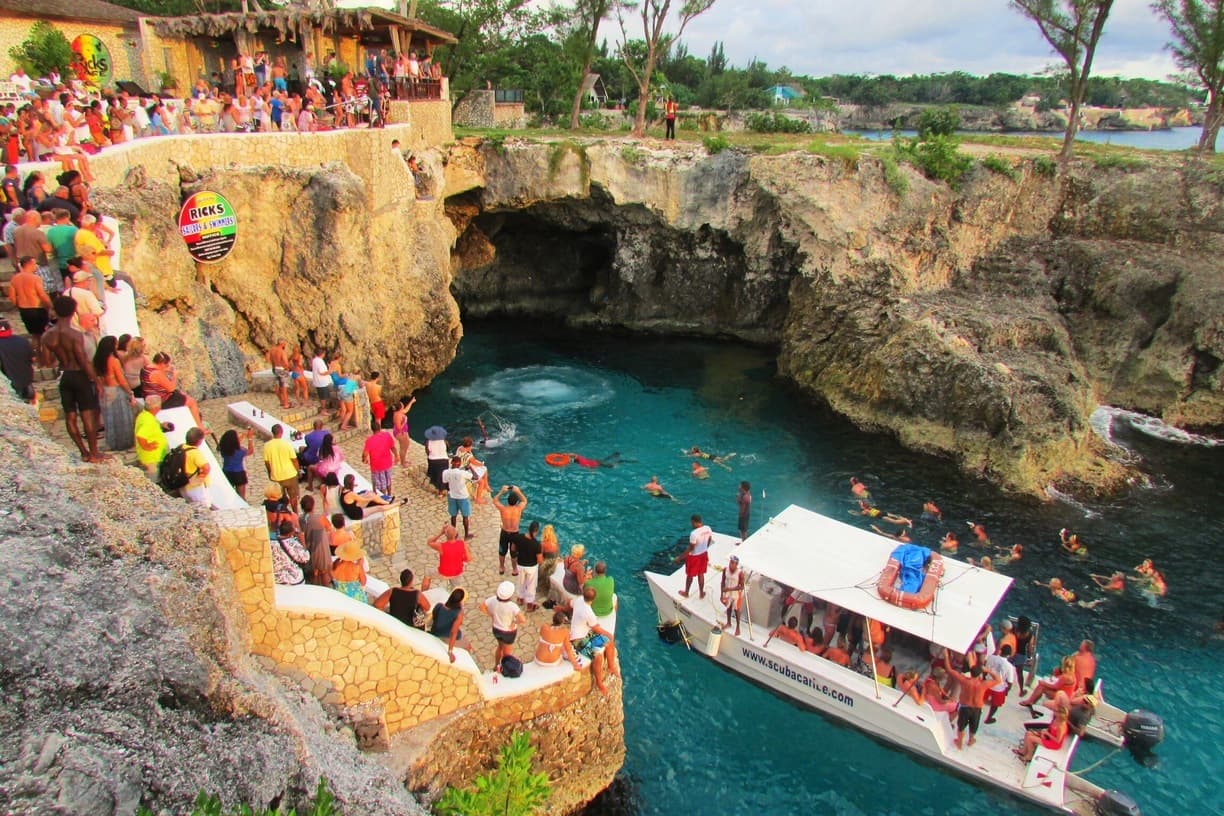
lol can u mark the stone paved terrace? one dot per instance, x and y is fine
(420, 517)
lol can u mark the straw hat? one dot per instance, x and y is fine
(350, 551)
(505, 591)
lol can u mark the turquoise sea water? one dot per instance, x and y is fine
(1181, 138)
(702, 740)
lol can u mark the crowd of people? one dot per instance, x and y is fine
(62, 120)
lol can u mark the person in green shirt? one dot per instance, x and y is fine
(150, 437)
(62, 238)
(605, 590)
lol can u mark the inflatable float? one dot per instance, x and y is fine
(911, 563)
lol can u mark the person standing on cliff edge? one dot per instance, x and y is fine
(278, 356)
(669, 117)
(78, 384)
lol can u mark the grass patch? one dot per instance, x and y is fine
(1002, 166)
(847, 154)
(632, 154)
(893, 177)
(715, 144)
(1045, 166)
(1118, 161)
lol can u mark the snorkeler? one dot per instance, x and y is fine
(931, 512)
(700, 471)
(1110, 583)
(1058, 590)
(1072, 544)
(655, 489)
(979, 532)
(859, 489)
(610, 461)
(949, 543)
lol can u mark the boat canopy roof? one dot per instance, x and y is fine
(840, 563)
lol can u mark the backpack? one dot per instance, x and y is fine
(511, 666)
(172, 472)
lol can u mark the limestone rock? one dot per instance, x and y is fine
(124, 681)
(984, 324)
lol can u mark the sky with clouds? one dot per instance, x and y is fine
(818, 37)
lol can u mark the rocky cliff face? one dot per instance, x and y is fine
(984, 324)
(315, 264)
(121, 679)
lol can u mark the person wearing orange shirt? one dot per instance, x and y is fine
(669, 115)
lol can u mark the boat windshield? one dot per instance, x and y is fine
(837, 562)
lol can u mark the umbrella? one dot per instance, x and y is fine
(435, 432)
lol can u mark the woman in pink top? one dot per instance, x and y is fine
(331, 458)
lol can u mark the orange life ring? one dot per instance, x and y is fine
(557, 459)
(921, 599)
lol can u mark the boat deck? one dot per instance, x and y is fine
(990, 759)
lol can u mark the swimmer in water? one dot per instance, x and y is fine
(1155, 582)
(866, 509)
(949, 543)
(655, 489)
(700, 471)
(979, 532)
(1072, 544)
(610, 461)
(1110, 583)
(987, 563)
(859, 489)
(718, 459)
(901, 535)
(1058, 590)
(931, 512)
(1013, 555)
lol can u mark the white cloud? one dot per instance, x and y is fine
(915, 36)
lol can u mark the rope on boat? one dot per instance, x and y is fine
(1096, 764)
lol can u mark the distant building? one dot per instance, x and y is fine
(786, 94)
(594, 92)
(107, 34)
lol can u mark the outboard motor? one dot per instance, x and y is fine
(1142, 731)
(1116, 803)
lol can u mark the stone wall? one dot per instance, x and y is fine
(476, 110)
(361, 656)
(578, 734)
(125, 58)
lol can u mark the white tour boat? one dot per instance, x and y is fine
(840, 564)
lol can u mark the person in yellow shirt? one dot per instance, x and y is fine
(197, 469)
(150, 437)
(92, 249)
(281, 462)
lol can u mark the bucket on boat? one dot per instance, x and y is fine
(1116, 803)
(713, 641)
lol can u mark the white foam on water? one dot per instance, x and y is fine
(539, 390)
(1104, 416)
(1059, 496)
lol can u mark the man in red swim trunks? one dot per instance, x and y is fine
(697, 557)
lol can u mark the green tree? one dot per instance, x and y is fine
(1198, 47)
(45, 49)
(591, 13)
(938, 122)
(654, 15)
(1072, 28)
(511, 789)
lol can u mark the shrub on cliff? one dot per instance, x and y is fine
(775, 123)
(511, 789)
(208, 804)
(937, 157)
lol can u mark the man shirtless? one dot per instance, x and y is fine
(973, 688)
(32, 301)
(78, 384)
(511, 512)
(279, 358)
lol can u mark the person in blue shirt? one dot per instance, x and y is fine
(232, 455)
